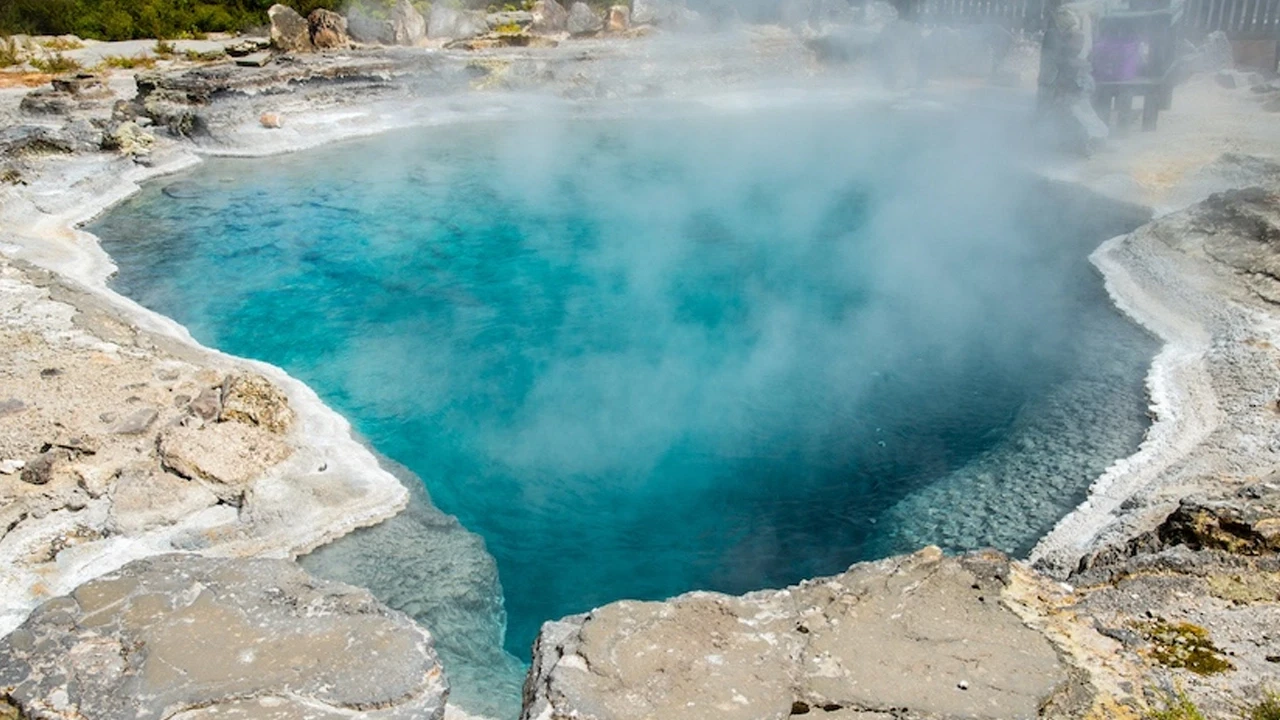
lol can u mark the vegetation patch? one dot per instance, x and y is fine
(61, 44)
(10, 55)
(1183, 645)
(133, 19)
(56, 64)
(129, 63)
(1175, 706)
(1267, 709)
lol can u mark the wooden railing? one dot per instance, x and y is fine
(1014, 14)
(1239, 19)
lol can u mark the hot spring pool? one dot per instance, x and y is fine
(672, 349)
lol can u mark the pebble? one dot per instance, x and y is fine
(11, 466)
(11, 406)
(963, 684)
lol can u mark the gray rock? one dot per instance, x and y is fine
(290, 32)
(583, 20)
(40, 470)
(408, 27)
(258, 59)
(1226, 80)
(208, 404)
(365, 28)
(447, 22)
(11, 406)
(845, 642)
(549, 16)
(136, 422)
(248, 46)
(181, 636)
(48, 102)
(328, 29)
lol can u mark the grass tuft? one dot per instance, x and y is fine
(56, 64)
(9, 55)
(59, 44)
(1267, 709)
(129, 63)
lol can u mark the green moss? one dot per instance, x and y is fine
(508, 29)
(1183, 645)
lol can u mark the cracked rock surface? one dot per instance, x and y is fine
(921, 636)
(182, 636)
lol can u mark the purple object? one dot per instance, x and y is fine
(1116, 59)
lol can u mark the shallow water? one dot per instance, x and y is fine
(669, 350)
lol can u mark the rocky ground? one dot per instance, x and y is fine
(122, 441)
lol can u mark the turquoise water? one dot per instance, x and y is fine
(671, 350)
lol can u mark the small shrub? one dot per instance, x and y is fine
(61, 44)
(164, 48)
(56, 64)
(1175, 706)
(1268, 709)
(508, 29)
(128, 63)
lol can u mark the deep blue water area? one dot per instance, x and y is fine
(676, 348)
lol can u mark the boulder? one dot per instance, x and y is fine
(832, 646)
(254, 400)
(549, 16)
(654, 12)
(226, 457)
(187, 637)
(328, 29)
(619, 19)
(446, 22)
(290, 32)
(583, 20)
(408, 27)
(145, 497)
(1246, 523)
